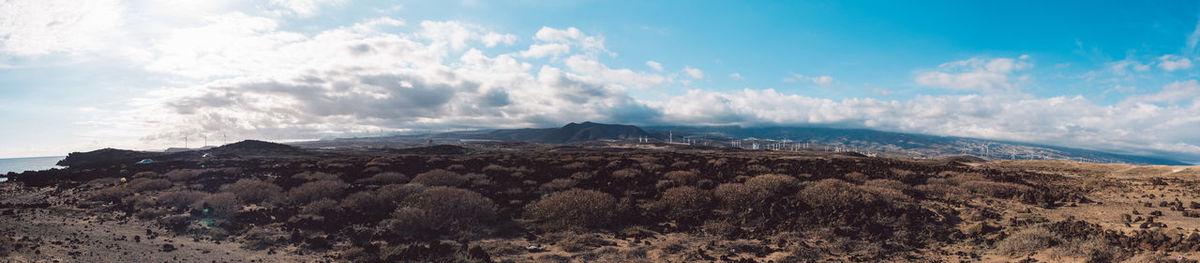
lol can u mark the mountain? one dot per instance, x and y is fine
(591, 131)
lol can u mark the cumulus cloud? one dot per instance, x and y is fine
(654, 65)
(50, 26)
(1173, 63)
(302, 7)
(976, 75)
(822, 80)
(246, 75)
(695, 73)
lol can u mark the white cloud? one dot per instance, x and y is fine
(695, 73)
(1170, 93)
(302, 7)
(545, 50)
(822, 80)
(591, 67)
(735, 75)
(572, 36)
(40, 27)
(654, 65)
(976, 75)
(491, 39)
(1122, 67)
(1173, 63)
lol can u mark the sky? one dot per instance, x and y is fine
(1115, 76)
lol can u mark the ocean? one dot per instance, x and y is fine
(28, 164)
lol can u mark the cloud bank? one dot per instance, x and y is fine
(243, 75)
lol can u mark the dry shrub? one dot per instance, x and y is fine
(179, 199)
(856, 177)
(313, 191)
(454, 209)
(943, 191)
(575, 166)
(1094, 249)
(107, 181)
(321, 207)
(835, 195)
(399, 192)
(409, 221)
(583, 175)
(720, 229)
(627, 173)
(260, 237)
(112, 193)
(995, 189)
(573, 209)
(254, 191)
(315, 176)
(146, 174)
(683, 203)
(368, 204)
(887, 183)
(1027, 241)
(439, 177)
(578, 242)
(682, 177)
(181, 175)
(558, 184)
(220, 204)
(737, 196)
(385, 178)
(147, 184)
(773, 184)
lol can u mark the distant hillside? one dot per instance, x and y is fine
(591, 131)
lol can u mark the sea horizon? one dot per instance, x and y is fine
(23, 164)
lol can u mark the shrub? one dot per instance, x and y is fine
(558, 184)
(439, 177)
(1026, 241)
(887, 183)
(573, 209)
(112, 193)
(321, 207)
(995, 189)
(773, 184)
(684, 203)
(834, 195)
(254, 191)
(628, 173)
(220, 204)
(315, 176)
(179, 199)
(737, 196)
(259, 238)
(317, 190)
(409, 221)
(145, 174)
(454, 209)
(399, 192)
(368, 204)
(147, 184)
(682, 177)
(385, 178)
(180, 175)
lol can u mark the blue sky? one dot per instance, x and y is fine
(1115, 76)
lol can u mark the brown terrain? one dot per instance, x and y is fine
(599, 202)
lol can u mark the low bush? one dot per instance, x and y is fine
(682, 177)
(454, 209)
(179, 199)
(260, 237)
(313, 191)
(558, 185)
(439, 177)
(219, 205)
(738, 196)
(321, 207)
(1026, 241)
(574, 209)
(774, 184)
(315, 176)
(367, 204)
(385, 178)
(111, 193)
(627, 173)
(684, 203)
(254, 191)
(148, 184)
(182, 175)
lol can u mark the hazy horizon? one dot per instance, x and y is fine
(1110, 76)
